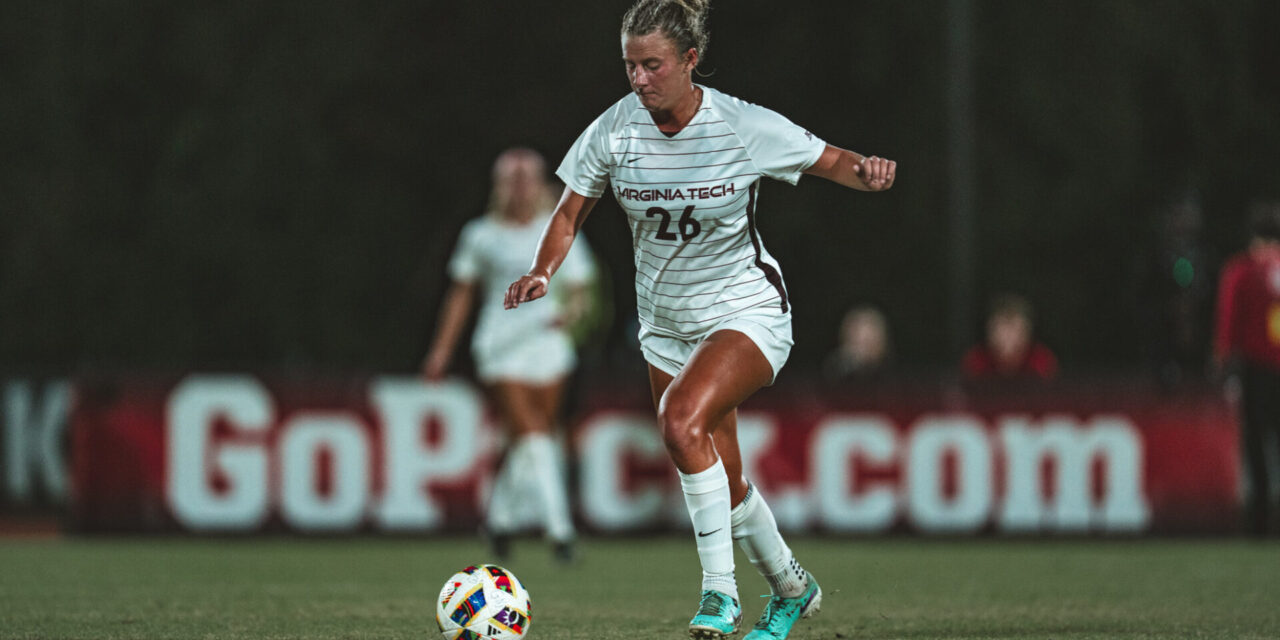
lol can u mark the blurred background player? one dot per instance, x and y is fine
(1248, 331)
(1173, 298)
(522, 358)
(685, 163)
(1009, 353)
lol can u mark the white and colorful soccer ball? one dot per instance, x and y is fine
(483, 602)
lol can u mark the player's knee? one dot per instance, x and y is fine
(681, 427)
(527, 422)
(679, 439)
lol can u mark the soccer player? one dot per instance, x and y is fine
(521, 358)
(686, 162)
(1248, 328)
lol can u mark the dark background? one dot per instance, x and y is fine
(279, 184)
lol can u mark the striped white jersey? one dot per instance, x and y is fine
(691, 201)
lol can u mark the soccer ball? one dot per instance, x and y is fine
(483, 603)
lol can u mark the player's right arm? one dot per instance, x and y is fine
(453, 318)
(563, 226)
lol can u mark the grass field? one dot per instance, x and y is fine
(637, 588)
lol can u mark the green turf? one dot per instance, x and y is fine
(637, 588)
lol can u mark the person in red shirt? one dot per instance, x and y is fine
(1247, 335)
(1009, 353)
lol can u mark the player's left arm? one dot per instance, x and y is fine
(854, 170)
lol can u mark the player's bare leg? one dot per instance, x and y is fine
(527, 408)
(529, 411)
(795, 593)
(724, 435)
(722, 372)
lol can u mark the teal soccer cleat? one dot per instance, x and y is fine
(781, 613)
(718, 617)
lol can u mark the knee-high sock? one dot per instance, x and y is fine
(548, 481)
(706, 494)
(504, 495)
(757, 533)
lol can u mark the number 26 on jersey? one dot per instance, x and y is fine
(688, 226)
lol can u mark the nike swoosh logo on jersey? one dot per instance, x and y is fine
(630, 160)
(703, 535)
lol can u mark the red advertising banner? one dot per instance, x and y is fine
(240, 453)
(33, 470)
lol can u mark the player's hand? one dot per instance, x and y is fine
(528, 287)
(876, 173)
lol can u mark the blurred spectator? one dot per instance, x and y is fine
(1174, 294)
(1009, 352)
(1248, 333)
(864, 353)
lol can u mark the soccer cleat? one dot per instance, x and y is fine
(499, 543)
(718, 617)
(781, 613)
(564, 552)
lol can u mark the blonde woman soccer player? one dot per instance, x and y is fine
(522, 358)
(686, 162)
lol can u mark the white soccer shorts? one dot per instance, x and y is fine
(768, 328)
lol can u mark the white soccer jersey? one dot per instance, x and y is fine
(691, 201)
(494, 253)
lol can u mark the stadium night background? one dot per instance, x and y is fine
(224, 232)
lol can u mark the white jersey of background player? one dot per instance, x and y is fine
(522, 358)
(534, 345)
(685, 162)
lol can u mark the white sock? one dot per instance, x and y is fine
(757, 533)
(706, 494)
(549, 485)
(503, 497)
